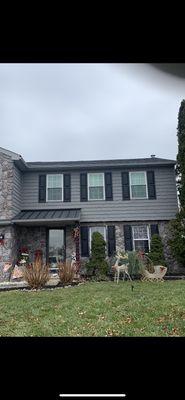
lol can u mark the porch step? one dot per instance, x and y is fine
(13, 285)
(53, 281)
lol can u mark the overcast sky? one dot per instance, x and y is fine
(62, 112)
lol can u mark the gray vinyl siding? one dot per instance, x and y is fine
(163, 208)
(17, 191)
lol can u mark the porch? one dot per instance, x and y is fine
(51, 232)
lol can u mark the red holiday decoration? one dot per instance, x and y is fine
(38, 254)
(76, 233)
(24, 250)
(76, 237)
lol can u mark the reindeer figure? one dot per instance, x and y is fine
(120, 268)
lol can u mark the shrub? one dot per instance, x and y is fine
(147, 262)
(66, 272)
(36, 274)
(156, 253)
(97, 265)
(136, 265)
(177, 238)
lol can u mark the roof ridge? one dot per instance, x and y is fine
(153, 159)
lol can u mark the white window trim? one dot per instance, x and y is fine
(138, 198)
(148, 234)
(54, 201)
(96, 173)
(90, 235)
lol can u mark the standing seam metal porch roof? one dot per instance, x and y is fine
(55, 215)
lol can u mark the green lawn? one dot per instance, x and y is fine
(96, 309)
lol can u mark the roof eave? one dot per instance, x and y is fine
(21, 164)
(5, 222)
(41, 221)
(98, 166)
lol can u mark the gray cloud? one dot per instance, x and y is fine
(88, 111)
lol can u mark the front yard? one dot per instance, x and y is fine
(96, 309)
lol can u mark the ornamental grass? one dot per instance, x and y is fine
(66, 272)
(36, 274)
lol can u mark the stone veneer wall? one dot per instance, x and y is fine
(34, 238)
(6, 186)
(8, 250)
(70, 243)
(120, 242)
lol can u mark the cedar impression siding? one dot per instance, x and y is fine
(17, 190)
(163, 208)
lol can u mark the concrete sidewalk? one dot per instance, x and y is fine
(53, 281)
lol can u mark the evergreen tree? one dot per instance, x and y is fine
(177, 226)
(97, 264)
(156, 253)
(177, 240)
(180, 168)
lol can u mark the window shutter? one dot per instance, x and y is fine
(111, 240)
(154, 229)
(128, 237)
(67, 187)
(83, 187)
(125, 185)
(151, 185)
(146, 247)
(84, 230)
(42, 188)
(108, 186)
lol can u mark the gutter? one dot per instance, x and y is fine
(21, 164)
(46, 220)
(4, 222)
(96, 167)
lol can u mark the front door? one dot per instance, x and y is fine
(56, 246)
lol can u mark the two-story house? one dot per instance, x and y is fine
(41, 203)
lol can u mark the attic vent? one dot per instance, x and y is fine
(152, 156)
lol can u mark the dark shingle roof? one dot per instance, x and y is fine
(135, 162)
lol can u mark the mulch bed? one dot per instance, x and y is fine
(47, 287)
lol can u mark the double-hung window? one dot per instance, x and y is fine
(138, 185)
(54, 190)
(100, 229)
(96, 186)
(141, 240)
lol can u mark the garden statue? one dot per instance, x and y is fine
(74, 265)
(157, 275)
(73, 261)
(18, 269)
(151, 272)
(17, 273)
(121, 268)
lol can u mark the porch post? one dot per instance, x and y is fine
(78, 252)
(77, 244)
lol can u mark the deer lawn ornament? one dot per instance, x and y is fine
(120, 268)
